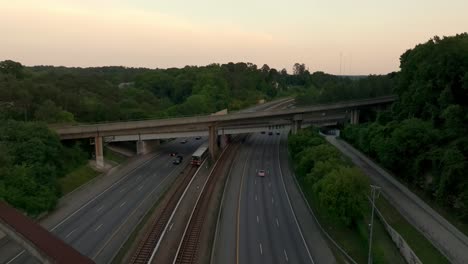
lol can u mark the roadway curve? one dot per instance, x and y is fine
(267, 222)
(92, 229)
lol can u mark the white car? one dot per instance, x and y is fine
(261, 173)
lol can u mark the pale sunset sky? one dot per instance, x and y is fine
(367, 36)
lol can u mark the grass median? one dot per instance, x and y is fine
(76, 178)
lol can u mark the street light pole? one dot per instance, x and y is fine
(374, 189)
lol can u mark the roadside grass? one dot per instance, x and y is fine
(355, 240)
(76, 178)
(114, 156)
(425, 251)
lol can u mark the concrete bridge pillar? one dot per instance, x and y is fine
(213, 141)
(141, 147)
(99, 152)
(354, 117)
(296, 126)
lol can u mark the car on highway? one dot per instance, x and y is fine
(173, 154)
(277, 133)
(198, 138)
(177, 160)
(263, 132)
(261, 173)
(183, 141)
(270, 133)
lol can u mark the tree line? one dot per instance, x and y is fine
(423, 139)
(31, 97)
(338, 186)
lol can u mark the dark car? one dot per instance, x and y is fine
(177, 160)
(263, 132)
(277, 133)
(183, 141)
(198, 138)
(270, 133)
(173, 154)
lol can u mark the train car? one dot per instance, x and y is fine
(199, 155)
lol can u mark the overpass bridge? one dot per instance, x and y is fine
(214, 125)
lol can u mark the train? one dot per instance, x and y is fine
(199, 155)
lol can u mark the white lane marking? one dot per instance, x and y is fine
(132, 213)
(170, 227)
(285, 255)
(123, 204)
(100, 208)
(123, 189)
(258, 220)
(97, 228)
(141, 187)
(17, 256)
(255, 181)
(69, 234)
(277, 222)
(272, 200)
(269, 185)
(255, 197)
(292, 210)
(90, 201)
(261, 249)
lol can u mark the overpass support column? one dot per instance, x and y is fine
(213, 141)
(296, 126)
(99, 152)
(297, 123)
(141, 147)
(354, 117)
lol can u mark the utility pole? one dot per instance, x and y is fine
(374, 189)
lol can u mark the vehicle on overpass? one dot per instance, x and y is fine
(199, 155)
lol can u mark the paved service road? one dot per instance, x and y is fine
(261, 226)
(93, 229)
(444, 236)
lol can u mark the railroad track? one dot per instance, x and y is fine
(146, 246)
(189, 247)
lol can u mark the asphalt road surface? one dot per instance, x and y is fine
(260, 224)
(92, 229)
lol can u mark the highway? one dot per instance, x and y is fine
(92, 230)
(266, 229)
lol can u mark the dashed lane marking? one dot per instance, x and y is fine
(97, 228)
(69, 234)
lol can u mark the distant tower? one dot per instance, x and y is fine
(341, 59)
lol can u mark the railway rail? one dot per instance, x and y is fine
(148, 243)
(190, 243)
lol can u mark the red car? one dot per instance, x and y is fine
(261, 173)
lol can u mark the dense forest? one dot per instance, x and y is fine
(67, 95)
(32, 97)
(423, 139)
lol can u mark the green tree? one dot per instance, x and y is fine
(343, 192)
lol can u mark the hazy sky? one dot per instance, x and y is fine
(370, 35)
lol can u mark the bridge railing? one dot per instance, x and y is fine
(62, 125)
